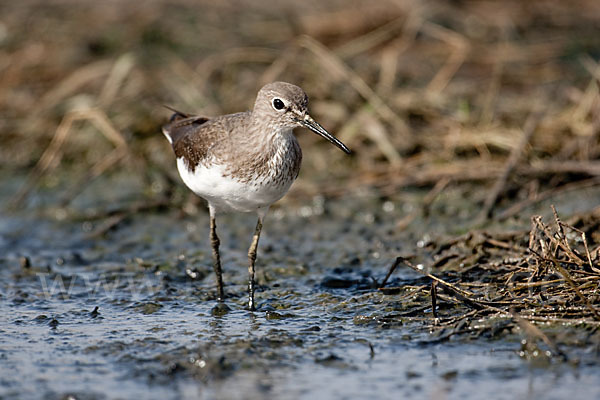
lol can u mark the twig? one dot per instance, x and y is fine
(425, 204)
(113, 218)
(434, 301)
(575, 258)
(509, 166)
(569, 280)
(461, 48)
(391, 271)
(520, 286)
(518, 207)
(534, 331)
(98, 169)
(560, 229)
(371, 39)
(392, 53)
(53, 153)
(107, 225)
(466, 296)
(334, 64)
(119, 72)
(583, 238)
(435, 278)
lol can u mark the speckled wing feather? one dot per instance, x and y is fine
(180, 124)
(188, 137)
(193, 137)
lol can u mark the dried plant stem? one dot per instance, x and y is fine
(510, 165)
(53, 153)
(337, 67)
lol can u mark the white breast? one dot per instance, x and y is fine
(225, 193)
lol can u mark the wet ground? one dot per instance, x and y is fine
(131, 312)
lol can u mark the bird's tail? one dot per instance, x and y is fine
(177, 116)
(178, 123)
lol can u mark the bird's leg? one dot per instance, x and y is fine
(214, 242)
(252, 259)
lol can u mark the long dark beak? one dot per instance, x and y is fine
(319, 130)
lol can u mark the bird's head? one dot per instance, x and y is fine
(283, 106)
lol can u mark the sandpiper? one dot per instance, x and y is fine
(244, 162)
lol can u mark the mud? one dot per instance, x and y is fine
(132, 312)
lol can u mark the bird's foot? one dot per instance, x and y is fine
(220, 309)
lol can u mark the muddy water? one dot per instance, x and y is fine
(132, 313)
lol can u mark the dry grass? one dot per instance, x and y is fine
(484, 284)
(423, 92)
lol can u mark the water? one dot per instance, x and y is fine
(118, 316)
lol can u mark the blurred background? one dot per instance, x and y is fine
(427, 93)
(466, 118)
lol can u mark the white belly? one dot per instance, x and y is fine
(225, 193)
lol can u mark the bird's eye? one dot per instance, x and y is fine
(278, 104)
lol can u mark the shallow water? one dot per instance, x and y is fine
(132, 313)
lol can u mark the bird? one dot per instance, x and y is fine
(243, 162)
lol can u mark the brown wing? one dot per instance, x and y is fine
(194, 137)
(184, 132)
(181, 124)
